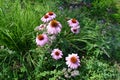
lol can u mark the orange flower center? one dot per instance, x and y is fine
(54, 23)
(40, 37)
(57, 53)
(73, 59)
(74, 21)
(74, 30)
(46, 16)
(50, 13)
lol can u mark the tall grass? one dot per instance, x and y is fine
(18, 20)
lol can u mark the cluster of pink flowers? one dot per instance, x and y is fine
(72, 60)
(51, 28)
(74, 24)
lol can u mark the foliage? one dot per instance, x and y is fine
(97, 44)
(98, 69)
(17, 28)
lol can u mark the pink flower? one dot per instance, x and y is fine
(51, 14)
(56, 54)
(73, 22)
(41, 39)
(75, 30)
(46, 18)
(73, 61)
(54, 27)
(41, 27)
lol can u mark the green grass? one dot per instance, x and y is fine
(18, 20)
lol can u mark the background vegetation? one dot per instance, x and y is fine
(97, 44)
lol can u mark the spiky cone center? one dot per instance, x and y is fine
(74, 20)
(75, 30)
(50, 13)
(40, 37)
(46, 16)
(54, 23)
(57, 53)
(73, 59)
